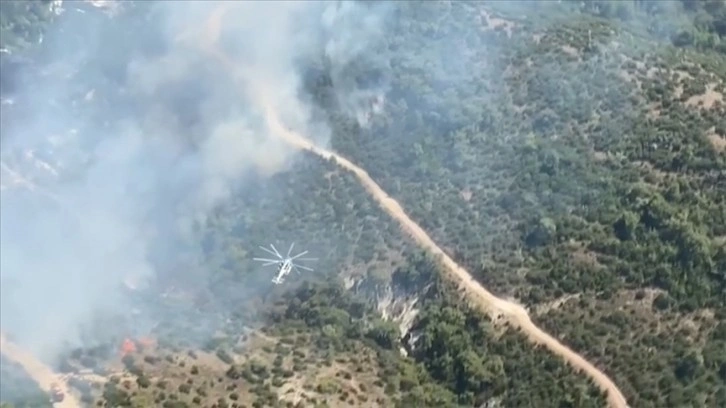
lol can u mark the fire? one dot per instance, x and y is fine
(132, 346)
(128, 347)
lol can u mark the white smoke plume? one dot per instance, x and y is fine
(147, 133)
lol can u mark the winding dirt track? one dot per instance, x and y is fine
(492, 305)
(497, 308)
(39, 372)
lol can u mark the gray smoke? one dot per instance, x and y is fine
(127, 132)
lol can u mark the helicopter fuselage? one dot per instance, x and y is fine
(283, 270)
(285, 264)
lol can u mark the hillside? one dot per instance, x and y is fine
(570, 157)
(583, 173)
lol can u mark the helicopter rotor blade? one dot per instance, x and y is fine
(270, 252)
(299, 255)
(266, 260)
(290, 250)
(276, 252)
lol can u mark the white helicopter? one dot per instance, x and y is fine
(285, 263)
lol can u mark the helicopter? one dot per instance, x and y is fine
(285, 264)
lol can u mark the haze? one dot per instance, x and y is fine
(122, 137)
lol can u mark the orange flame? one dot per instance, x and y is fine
(127, 347)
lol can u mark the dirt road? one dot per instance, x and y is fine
(494, 306)
(39, 372)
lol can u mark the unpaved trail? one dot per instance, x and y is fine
(496, 308)
(39, 372)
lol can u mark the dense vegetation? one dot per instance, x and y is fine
(457, 357)
(458, 349)
(697, 23)
(579, 161)
(569, 155)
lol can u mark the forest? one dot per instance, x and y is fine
(569, 186)
(570, 155)
(580, 167)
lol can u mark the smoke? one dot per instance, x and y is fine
(125, 132)
(357, 41)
